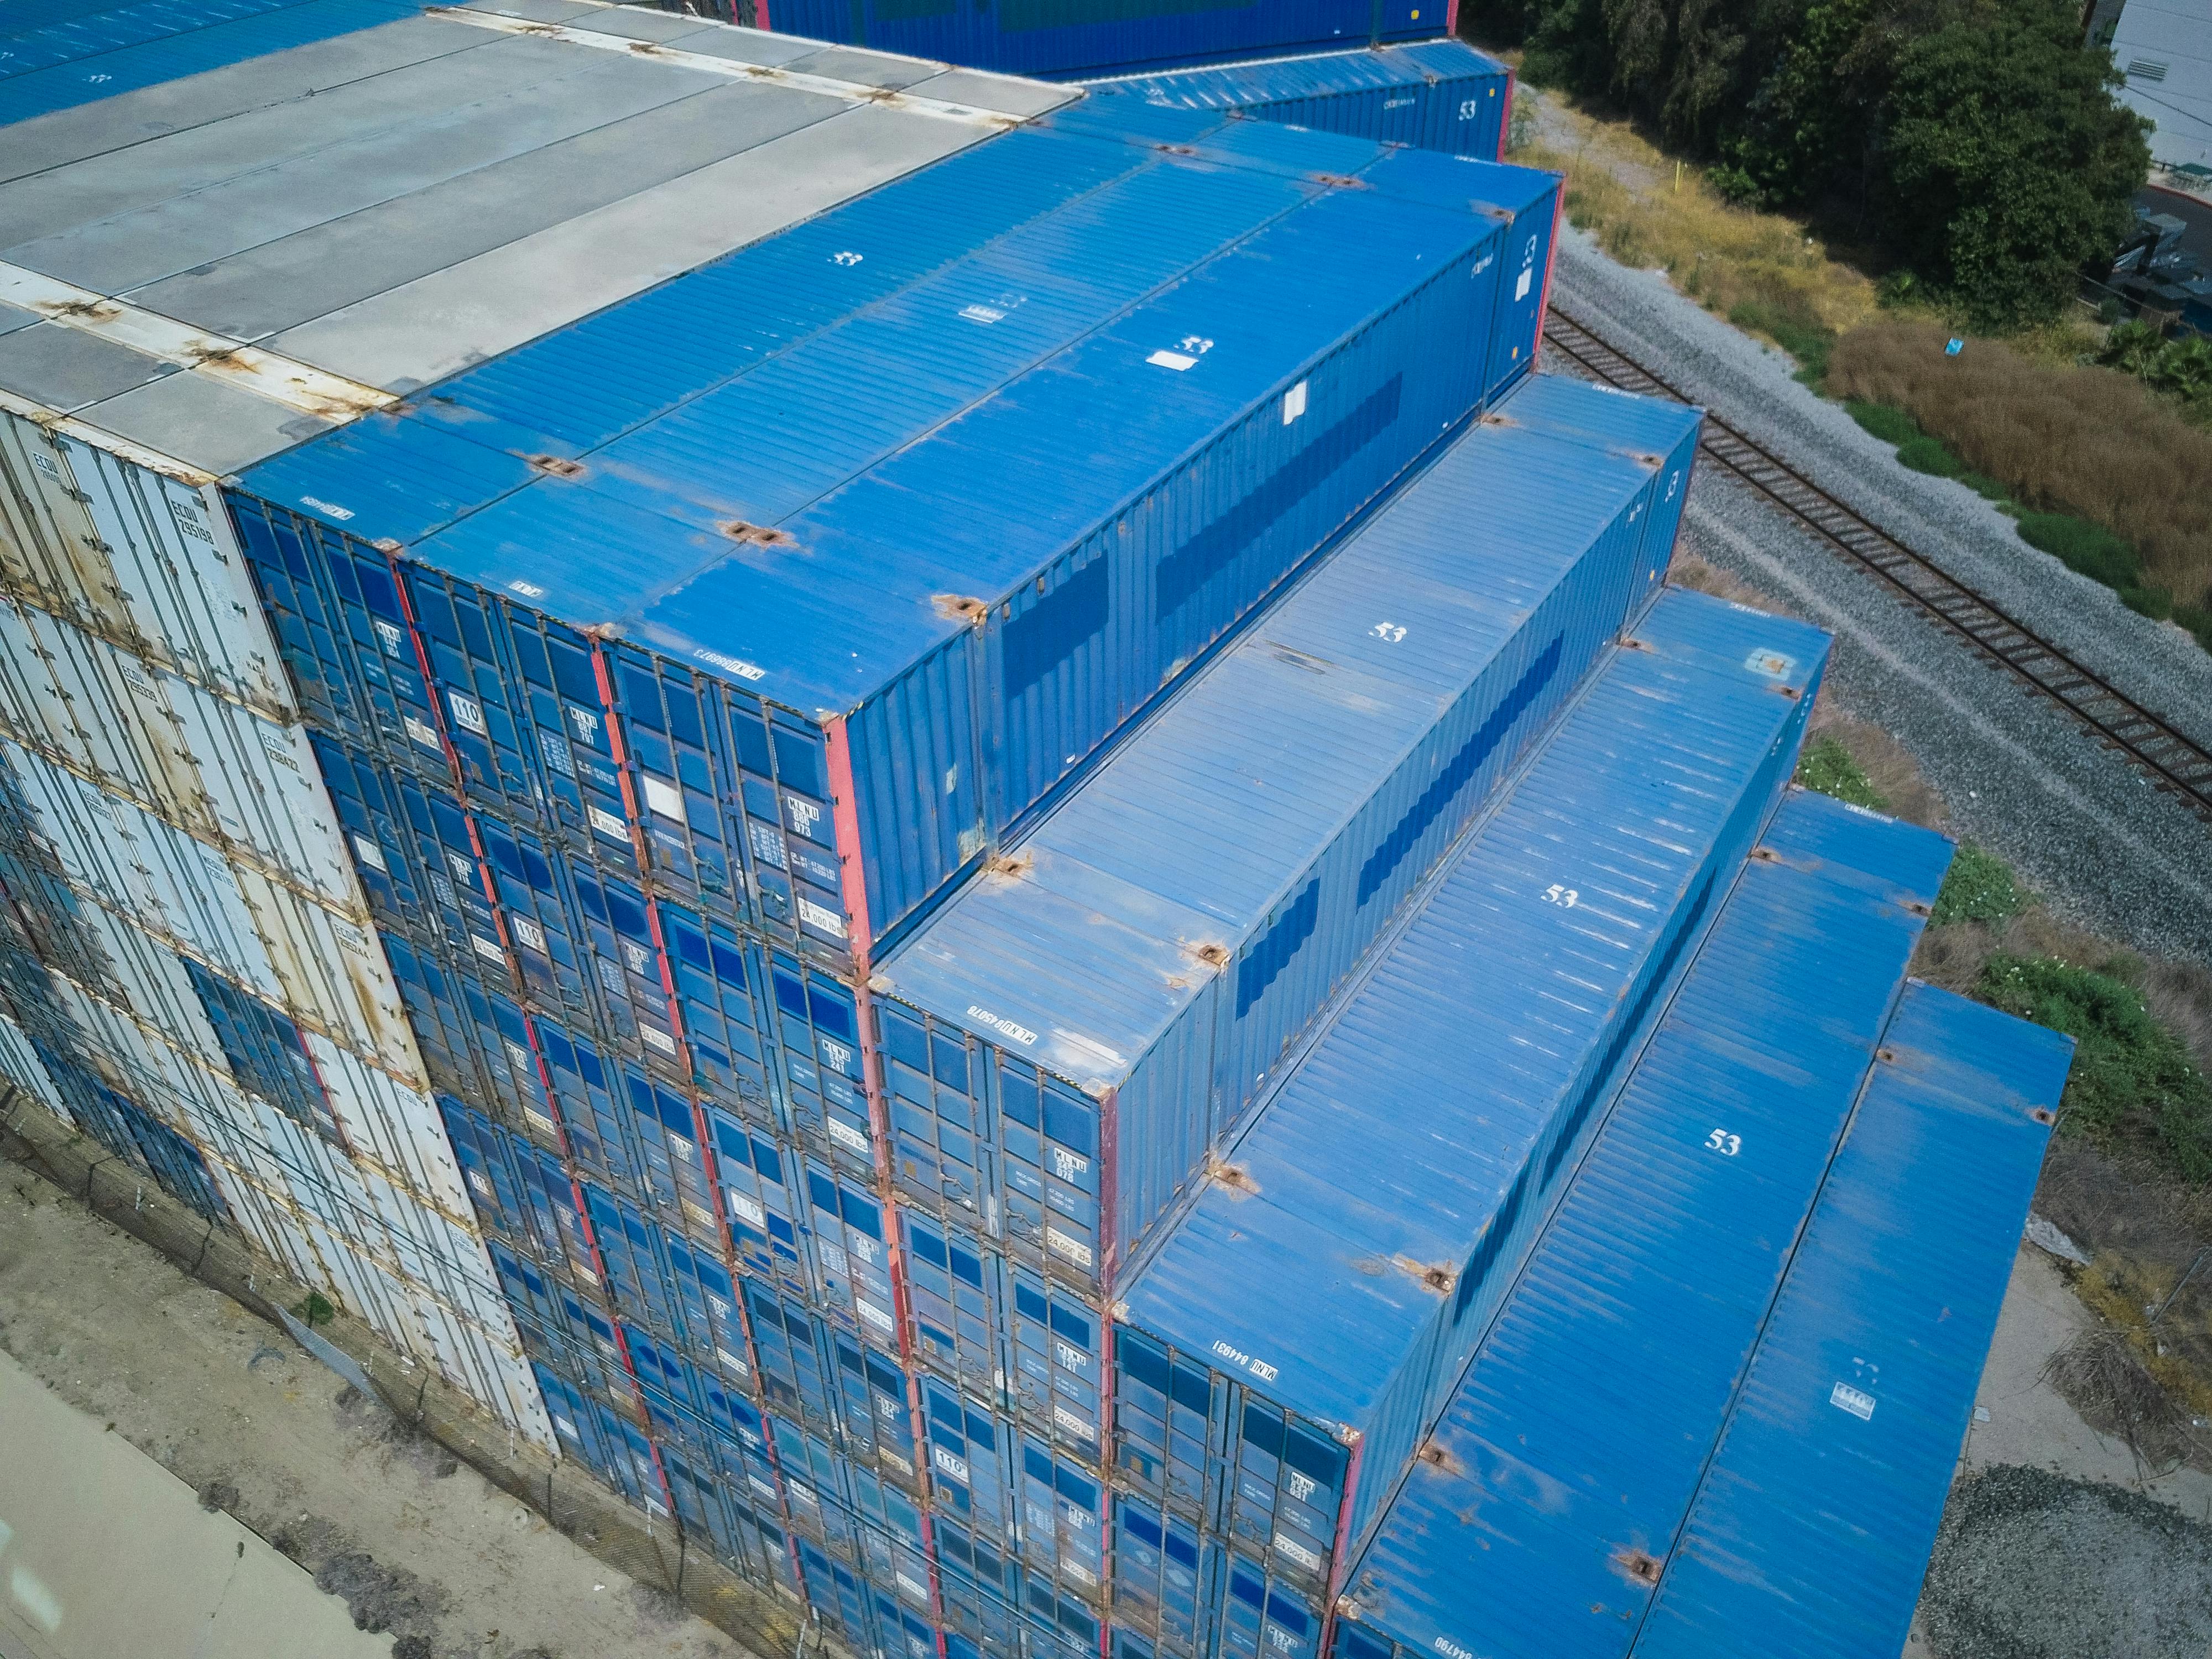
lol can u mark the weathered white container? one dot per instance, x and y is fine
(21, 1064)
(327, 972)
(144, 560)
(214, 768)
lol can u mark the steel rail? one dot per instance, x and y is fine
(2171, 762)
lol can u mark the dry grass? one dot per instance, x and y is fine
(1766, 272)
(2101, 1377)
(2179, 995)
(1887, 763)
(1688, 570)
(2090, 441)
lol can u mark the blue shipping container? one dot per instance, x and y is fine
(1543, 1503)
(1051, 38)
(1140, 963)
(1441, 94)
(59, 58)
(1338, 1269)
(1813, 1528)
(874, 649)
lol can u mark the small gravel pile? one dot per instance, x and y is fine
(2033, 1565)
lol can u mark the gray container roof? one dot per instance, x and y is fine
(218, 267)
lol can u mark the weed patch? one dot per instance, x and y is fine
(1928, 455)
(2133, 1082)
(1884, 421)
(2086, 444)
(1979, 887)
(1827, 766)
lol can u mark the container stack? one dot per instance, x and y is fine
(952, 829)
(1070, 39)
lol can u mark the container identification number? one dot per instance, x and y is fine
(1721, 1141)
(1566, 897)
(1388, 630)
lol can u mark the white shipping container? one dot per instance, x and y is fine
(21, 1064)
(211, 767)
(144, 560)
(396, 1129)
(328, 973)
(148, 980)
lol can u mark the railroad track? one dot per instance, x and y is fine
(2170, 761)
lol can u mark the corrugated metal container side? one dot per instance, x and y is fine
(1173, 925)
(1151, 391)
(421, 1280)
(1600, 872)
(1521, 200)
(1642, 427)
(139, 558)
(321, 967)
(210, 767)
(1568, 1455)
(1812, 1527)
(1442, 94)
(78, 60)
(1076, 37)
(27, 1072)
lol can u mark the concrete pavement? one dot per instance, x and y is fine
(104, 1555)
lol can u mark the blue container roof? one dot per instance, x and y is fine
(1399, 1134)
(1813, 1528)
(1321, 75)
(1577, 1437)
(1201, 822)
(58, 54)
(923, 396)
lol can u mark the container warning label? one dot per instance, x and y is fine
(1856, 1401)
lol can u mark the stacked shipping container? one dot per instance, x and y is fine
(1440, 94)
(1060, 38)
(846, 884)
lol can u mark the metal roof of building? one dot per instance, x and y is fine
(283, 217)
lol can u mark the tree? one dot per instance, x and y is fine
(2006, 163)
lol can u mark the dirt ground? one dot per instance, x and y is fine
(415, 1544)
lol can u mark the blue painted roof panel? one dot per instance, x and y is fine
(1575, 1443)
(1813, 1528)
(1487, 1011)
(940, 414)
(1441, 94)
(1096, 37)
(1207, 818)
(64, 61)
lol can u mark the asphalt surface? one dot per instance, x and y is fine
(2104, 848)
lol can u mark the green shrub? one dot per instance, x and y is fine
(2133, 1083)
(1979, 887)
(1929, 455)
(315, 1310)
(2197, 619)
(1885, 421)
(1802, 337)
(1827, 766)
(2090, 549)
(2153, 602)
(1988, 489)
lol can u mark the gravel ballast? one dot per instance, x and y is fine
(2020, 776)
(2035, 1565)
